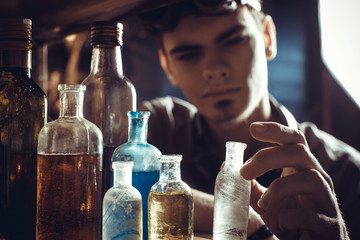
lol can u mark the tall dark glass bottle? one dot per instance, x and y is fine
(109, 95)
(23, 111)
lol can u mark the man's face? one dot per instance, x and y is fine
(219, 63)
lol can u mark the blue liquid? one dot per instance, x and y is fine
(121, 218)
(143, 181)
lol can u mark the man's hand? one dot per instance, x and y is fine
(301, 204)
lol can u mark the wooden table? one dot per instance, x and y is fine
(202, 236)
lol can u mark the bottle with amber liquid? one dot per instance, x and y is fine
(109, 95)
(69, 199)
(23, 111)
(170, 203)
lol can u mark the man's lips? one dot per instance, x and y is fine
(220, 93)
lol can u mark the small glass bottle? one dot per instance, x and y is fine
(232, 197)
(109, 95)
(170, 202)
(122, 206)
(23, 112)
(144, 155)
(69, 173)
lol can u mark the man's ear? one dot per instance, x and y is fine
(270, 38)
(166, 67)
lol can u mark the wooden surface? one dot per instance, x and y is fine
(55, 19)
(202, 236)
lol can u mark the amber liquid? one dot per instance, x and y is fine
(170, 216)
(68, 197)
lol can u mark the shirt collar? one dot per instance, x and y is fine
(285, 115)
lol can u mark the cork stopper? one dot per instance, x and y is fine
(106, 33)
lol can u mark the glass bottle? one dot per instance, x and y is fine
(144, 155)
(69, 173)
(122, 206)
(109, 95)
(23, 112)
(170, 202)
(232, 197)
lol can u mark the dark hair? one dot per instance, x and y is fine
(166, 18)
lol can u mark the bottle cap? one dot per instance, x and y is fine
(15, 42)
(122, 164)
(171, 158)
(15, 29)
(72, 87)
(106, 33)
(138, 114)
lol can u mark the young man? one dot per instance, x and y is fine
(219, 60)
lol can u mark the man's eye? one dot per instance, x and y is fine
(233, 41)
(188, 56)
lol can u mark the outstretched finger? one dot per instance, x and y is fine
(292, 155)
(276, 133)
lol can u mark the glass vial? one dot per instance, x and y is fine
(122, 207)
(69, 173)
(23, 112)
(170, 202)
(144, 155)
(109, 95)
(232, 197)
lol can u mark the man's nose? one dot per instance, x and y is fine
(216, 72)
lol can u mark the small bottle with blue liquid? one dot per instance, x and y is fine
(146, 170)
(122, 207)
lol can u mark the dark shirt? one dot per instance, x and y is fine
(175, 127)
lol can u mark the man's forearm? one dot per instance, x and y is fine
(203, 211)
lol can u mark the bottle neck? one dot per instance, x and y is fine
(71, 104)
(15, 58)
(234, 155)
(123, 176)
(170, 172)
(106, 59)
(138, 129)
(233, 163)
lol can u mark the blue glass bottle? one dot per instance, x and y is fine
(122, 207)
(146, 169)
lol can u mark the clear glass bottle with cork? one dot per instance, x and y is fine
(23, 112)
(69, 175)
(109, 94)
